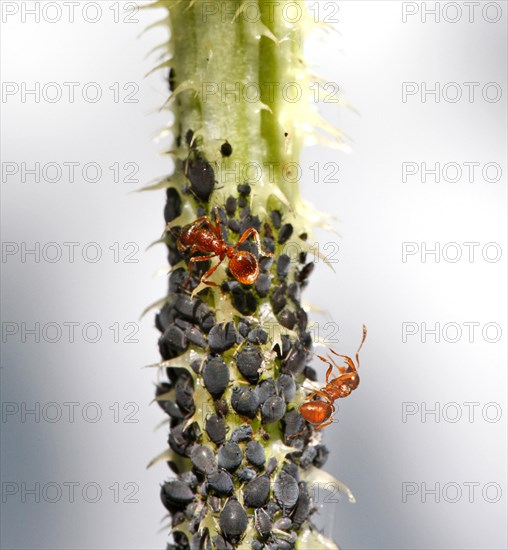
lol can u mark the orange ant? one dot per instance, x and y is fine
(203, 236)
(320, 412)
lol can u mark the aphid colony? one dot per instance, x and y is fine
(230, 468)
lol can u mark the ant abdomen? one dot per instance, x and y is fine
(244, 267)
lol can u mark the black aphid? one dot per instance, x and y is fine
(278, 298)
(215, 376)
(216, 429)
(226, 149)
(285, 490)
(256, 492)
(184, 392)
(258, 336)
(283, 265)
(179, 441)
(287, 318)
(173, 207)
(273, 409)
(262, 523)
(266, 389)
(176, 495)
(244, 189)
(245, 401)
(190, 478)
(242, 433)
(285, 233)
(230, 456)
(286, 387)
(171, 79)
(220, 483)
(308, 456)
(194, 336)
(283, 524)
(233, 520)
(231, 204)
(321, 456)
(245, 474)
(202, 178)
(262, 285)
(203, 459)
(295, 361)
(249, 361)
(276, 218)
(255, 454)
(220, 544)
(173, 342)
(303, 505)
(292, 469)
(222, 337)
(271, 465)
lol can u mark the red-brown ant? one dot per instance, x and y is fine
(203, 236)
(320, 412)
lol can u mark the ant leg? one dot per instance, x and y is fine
(321, 426)
(197, 248)
(192, 261)
(209, 273)
(217, 229)
(195, 259)
(203, 220)
(310, 396)
(246, 234)
(299, 433)
(321, 393)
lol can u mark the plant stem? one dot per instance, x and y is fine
(236, 355)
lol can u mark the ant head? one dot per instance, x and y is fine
(244, 267)
(352, 383)
(186, 236)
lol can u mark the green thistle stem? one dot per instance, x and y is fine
(240, 81)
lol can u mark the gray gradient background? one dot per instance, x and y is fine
(373, 451)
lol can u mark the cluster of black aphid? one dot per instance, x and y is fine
(231, 477)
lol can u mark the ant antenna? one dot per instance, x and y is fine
(363, 340)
